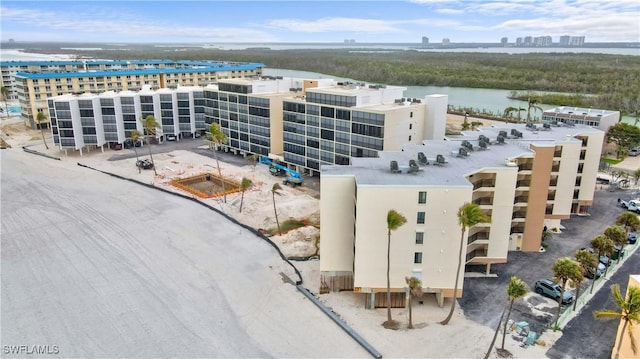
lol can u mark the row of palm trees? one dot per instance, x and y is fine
(469, 214)
(532, 104)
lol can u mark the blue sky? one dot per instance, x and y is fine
(318, 21)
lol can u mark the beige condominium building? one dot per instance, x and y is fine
(570, 116)
(305, 123)
(33, 84)
(523, 178)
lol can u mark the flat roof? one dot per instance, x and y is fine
(126, 72)
(114, 62)
(376, 171)
(578, 111)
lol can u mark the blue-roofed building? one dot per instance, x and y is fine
(33, 82)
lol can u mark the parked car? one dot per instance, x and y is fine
(598, 271)
(129, 144)
(632, 238)
(144, 164)
(618, 252)
(171, 137)
(603, 259)
(634, 152)
(552, 290)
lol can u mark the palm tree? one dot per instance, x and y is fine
(617, 235)
(217, 138)
(150, 125)
(5, 97)
(516, 289)
(40, 117)
(532, 104)
(495, 334)
(565, 270)
(469, 214)
(603, 246)
(252, 160)
(275, 190)
(415, 290)
(244, 184)
(508, 112)
(629, 314)
(629, 221)
(588, 262)
(394, 221)
(135, 137)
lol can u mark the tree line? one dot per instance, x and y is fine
(614, 79)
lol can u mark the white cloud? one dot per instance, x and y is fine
(124, 25)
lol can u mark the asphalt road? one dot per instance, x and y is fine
(101, 267)
(485, 297)
(586, 337)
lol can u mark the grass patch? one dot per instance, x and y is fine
(612, 161)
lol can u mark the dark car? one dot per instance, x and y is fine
(144, 164)
(618, 252)
(129, 144)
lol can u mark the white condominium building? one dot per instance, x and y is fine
(570, 116)
(524, 178)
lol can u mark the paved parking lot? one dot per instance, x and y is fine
(485, 297)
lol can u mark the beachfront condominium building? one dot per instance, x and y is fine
(250, 111)
(307, 123)
(89, 120)
(522, 177)
(570, 116)
(32, 83)
(332, 124)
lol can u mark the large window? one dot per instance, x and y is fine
(421, 217)
(422, 197)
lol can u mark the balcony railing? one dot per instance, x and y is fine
(484, 183)
(481, 236)
(484, 201)
(523, 184)
(480, 252)
(521, 199)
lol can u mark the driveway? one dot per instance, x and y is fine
(485, 297)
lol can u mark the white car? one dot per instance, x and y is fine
(171, 137)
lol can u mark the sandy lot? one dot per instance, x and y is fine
(462, 338)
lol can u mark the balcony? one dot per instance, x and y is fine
(484, 201)
(518, 216)
(480, 237)
(523, 184)
(480, 252)
(525, 167)
(484, 185)
(521, 201)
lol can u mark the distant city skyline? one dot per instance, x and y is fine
(319, 21)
